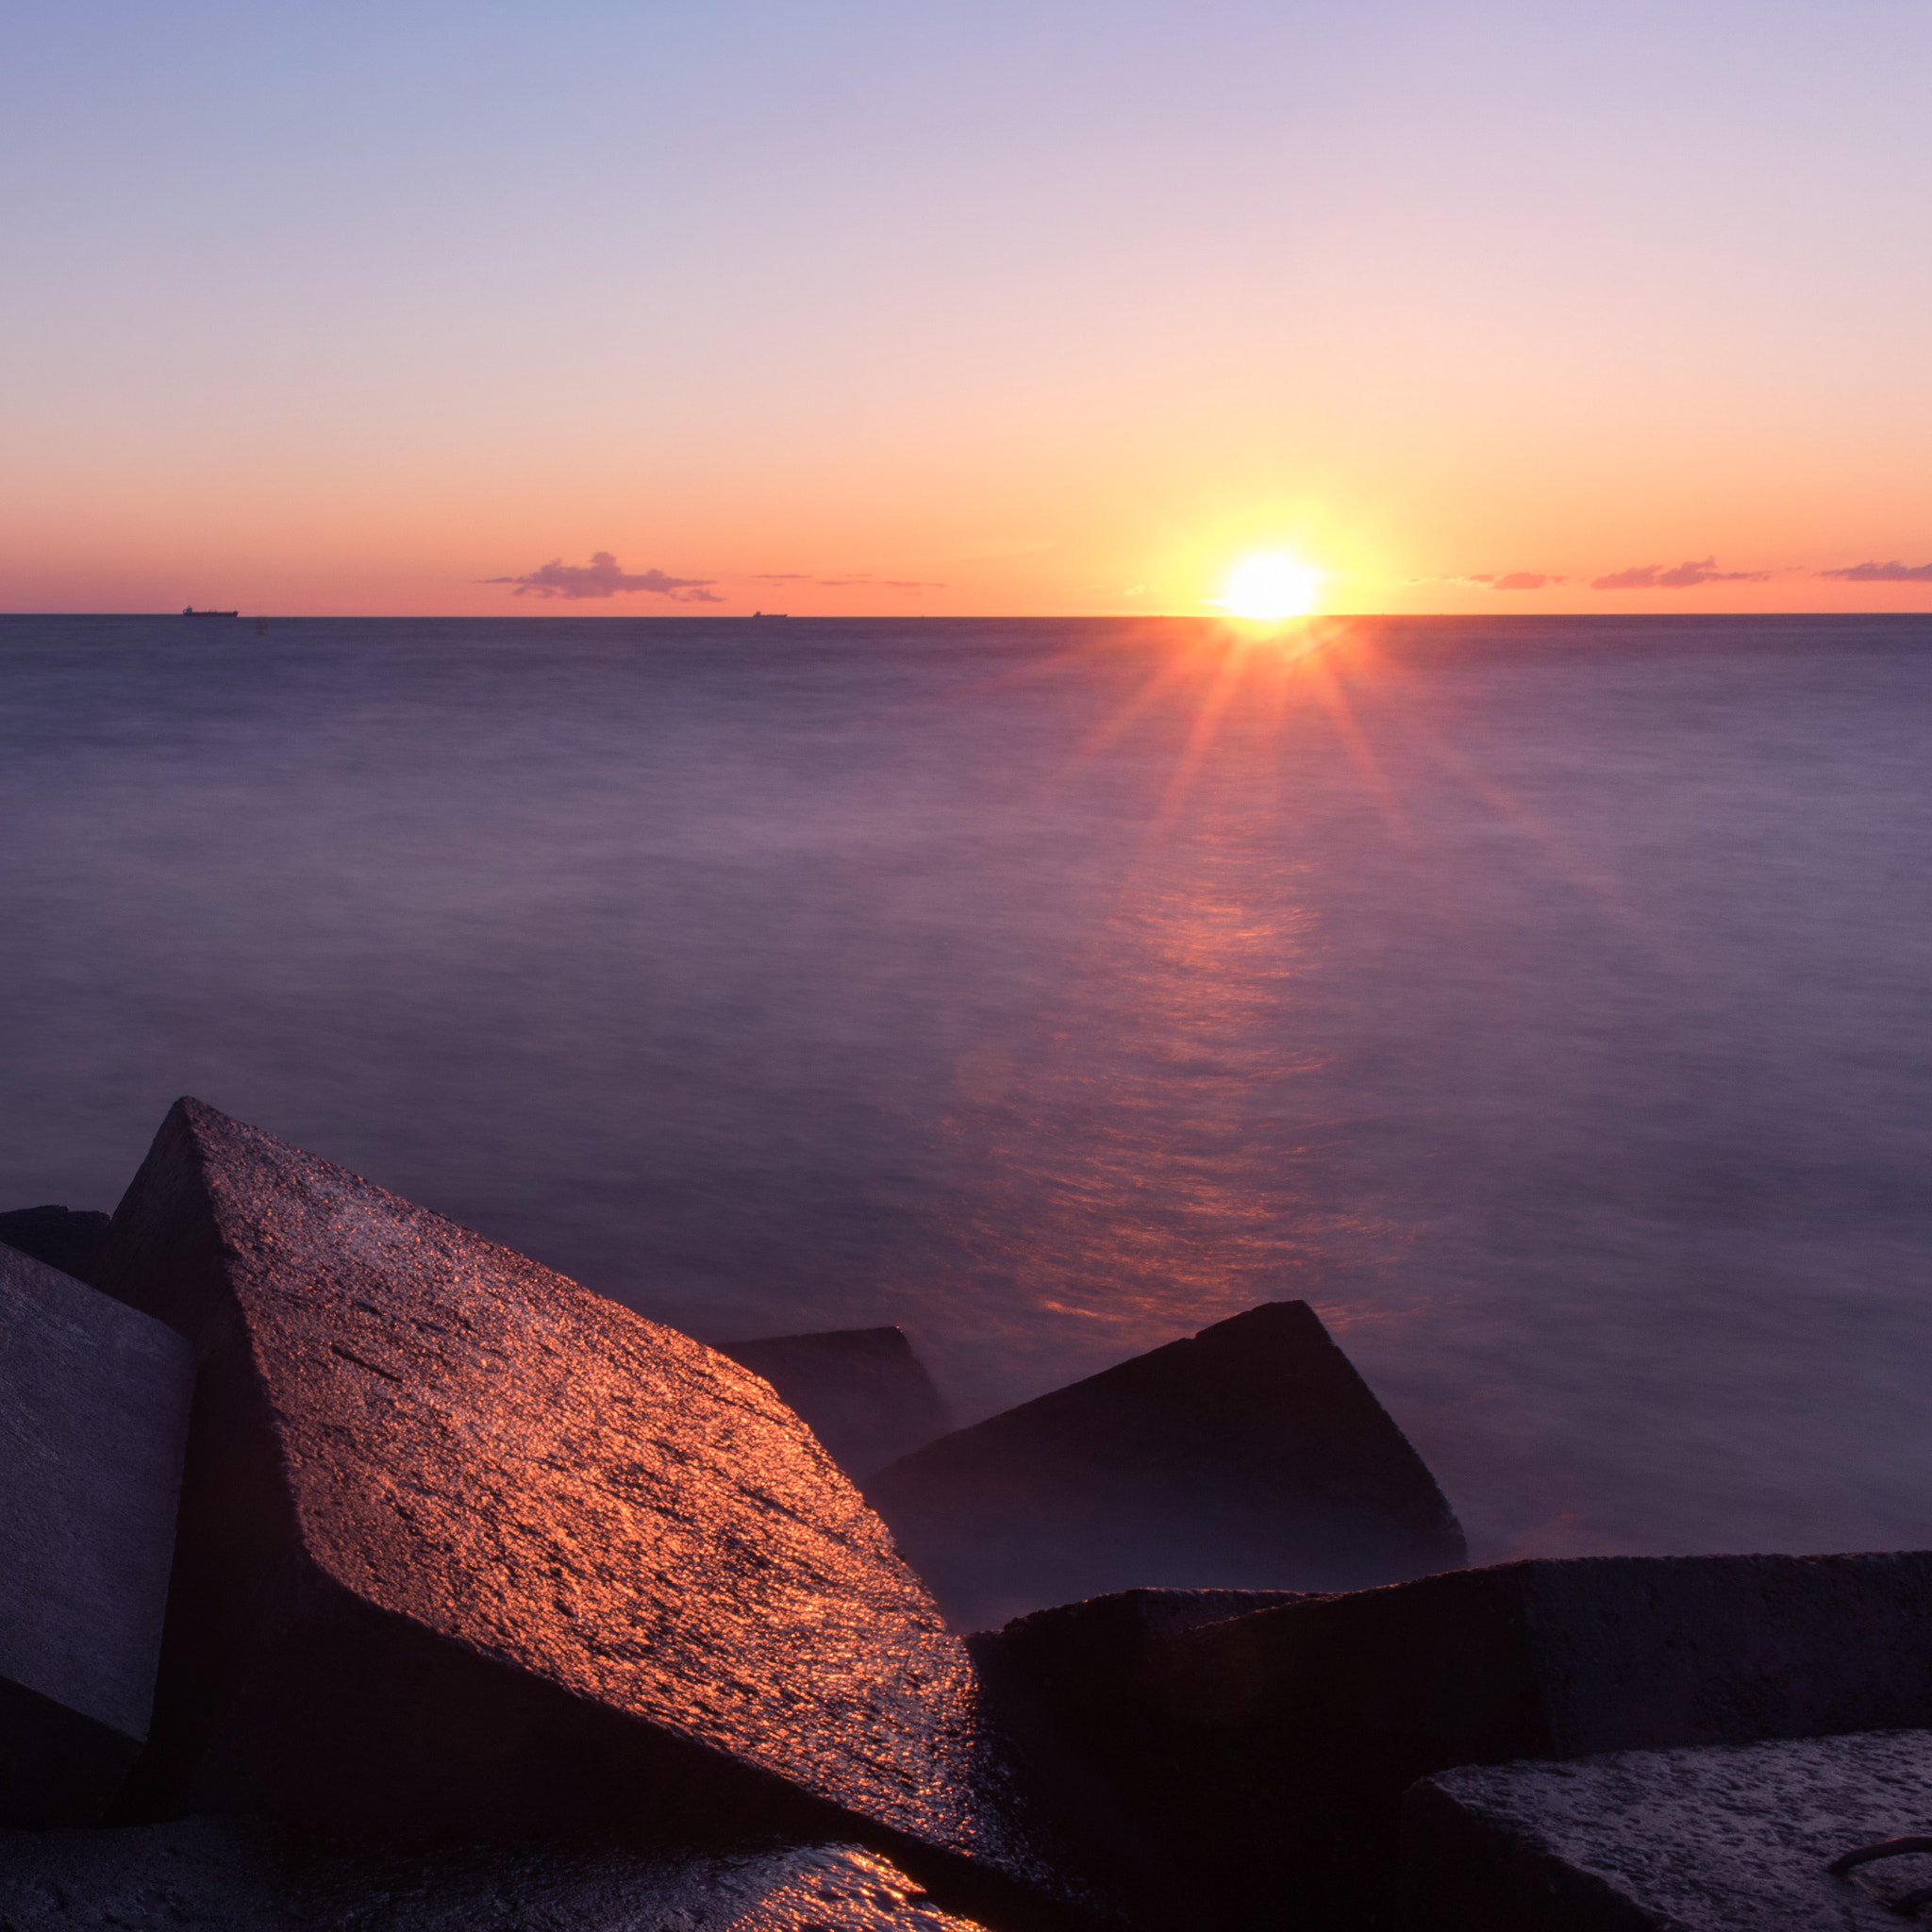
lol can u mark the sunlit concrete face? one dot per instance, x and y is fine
(479, 1540)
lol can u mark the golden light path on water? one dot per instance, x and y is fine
(1133, 1133)
(1165, 1145)
(1537, 1000)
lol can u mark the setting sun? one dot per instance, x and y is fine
(1270, 585)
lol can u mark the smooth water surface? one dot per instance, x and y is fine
(1544, 1000)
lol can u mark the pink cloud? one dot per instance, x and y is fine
(1683, 577)
(603, 577)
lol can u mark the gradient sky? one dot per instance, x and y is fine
(991, 307)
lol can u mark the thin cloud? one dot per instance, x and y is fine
(1489, 580)
(603, 577)
(1683, 577)
(1884, 574)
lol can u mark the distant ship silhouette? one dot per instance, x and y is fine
(191, 611)
(771, 613)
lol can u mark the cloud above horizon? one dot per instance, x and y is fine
(1489, 580)
(1683, 577)
(1893, 573)
(603, 577)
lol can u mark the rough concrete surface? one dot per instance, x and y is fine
(1728, 1838)
(462, 1539)
(866, 1396)
(1300, 1726)
(68, 1238)
(225, 1874)
(94, 1417)
(1250, 1455)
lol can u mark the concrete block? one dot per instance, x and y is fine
(1728, 1839)
(232, 1874)
(64, 1238)
(865, 1395)
(1098, 1665)
(1250, 1455)
(94, 1415)
(461, 1540)
(1301, 1726)
(1084, 1684)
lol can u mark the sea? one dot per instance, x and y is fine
(1542, 999)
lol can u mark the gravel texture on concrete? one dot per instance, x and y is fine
(1728, 1839)
(462, 1540)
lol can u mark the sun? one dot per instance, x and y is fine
(1269, 585)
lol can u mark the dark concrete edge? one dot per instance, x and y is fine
(60, 1766)
(1459, 1873)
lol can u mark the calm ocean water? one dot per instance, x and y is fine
(1544, 1000)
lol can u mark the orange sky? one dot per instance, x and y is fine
(1043, 309)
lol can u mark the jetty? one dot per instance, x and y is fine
(356, 1569)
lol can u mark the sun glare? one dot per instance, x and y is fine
(1268, 587)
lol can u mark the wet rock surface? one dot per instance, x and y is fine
(864, 1393)
(1728, 1838)
(1301, 1726)
(494, 1605)
(1250, 1455)
(68, 1238)
(227, 1874)
(94, 1418)
(461, 1538)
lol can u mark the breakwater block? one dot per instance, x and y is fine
(1083, 1684)
(463, 1541)
(1250, 1456)
(866, 1396)
(64, 1238)
(1097, 1665)
(237, 1875)
(1731, 1839)
(94, 1415)
(1305, 1723)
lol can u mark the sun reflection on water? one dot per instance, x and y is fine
(1142, 1166)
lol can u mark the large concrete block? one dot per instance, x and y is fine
(94, 1414)
(1729, 1838)
(866, 1395)
(1250, 1455)
(232, 1874)
(461, 1538)
(1101, 1664)
(68, 1238)
(1301, 1726)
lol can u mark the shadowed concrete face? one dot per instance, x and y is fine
(1723, 1839)
(866, 1395)
(1301, 1726)
(231, 1875)
(94, 1415)
(68, 1238)
(1250, 1457)
(461, 1537)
